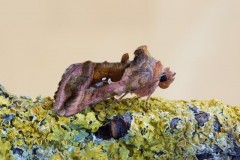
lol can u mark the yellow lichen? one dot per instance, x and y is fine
(4, 150)
(4, 101)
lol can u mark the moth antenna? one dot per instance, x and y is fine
(147, 104)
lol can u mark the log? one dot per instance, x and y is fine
(128, 129)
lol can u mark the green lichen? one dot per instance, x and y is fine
(166, 129)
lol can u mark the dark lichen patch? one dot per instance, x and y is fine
(237, 151)
(201, 118)
(194, 109)
(104, 132)
(116, 128)
(216, 125)
(205, 156)
(174, 123)
(216, 150)
(7, 118)
(119, 127)
(17, 151)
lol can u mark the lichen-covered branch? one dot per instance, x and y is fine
(175, 129)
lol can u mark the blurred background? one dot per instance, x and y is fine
(199, 40)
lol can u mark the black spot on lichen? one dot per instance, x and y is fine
(90, 122)
(64, 127)
(143, 131)
(31, 118)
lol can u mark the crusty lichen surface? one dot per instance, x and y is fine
(168, 129)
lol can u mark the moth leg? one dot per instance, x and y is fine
(120, 98)
(147, 104)
(117, 100)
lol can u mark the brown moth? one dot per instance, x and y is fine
(88, 83)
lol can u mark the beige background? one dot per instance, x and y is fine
(197, 39)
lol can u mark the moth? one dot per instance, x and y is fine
(88, 83)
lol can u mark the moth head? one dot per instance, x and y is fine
(166, 78)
